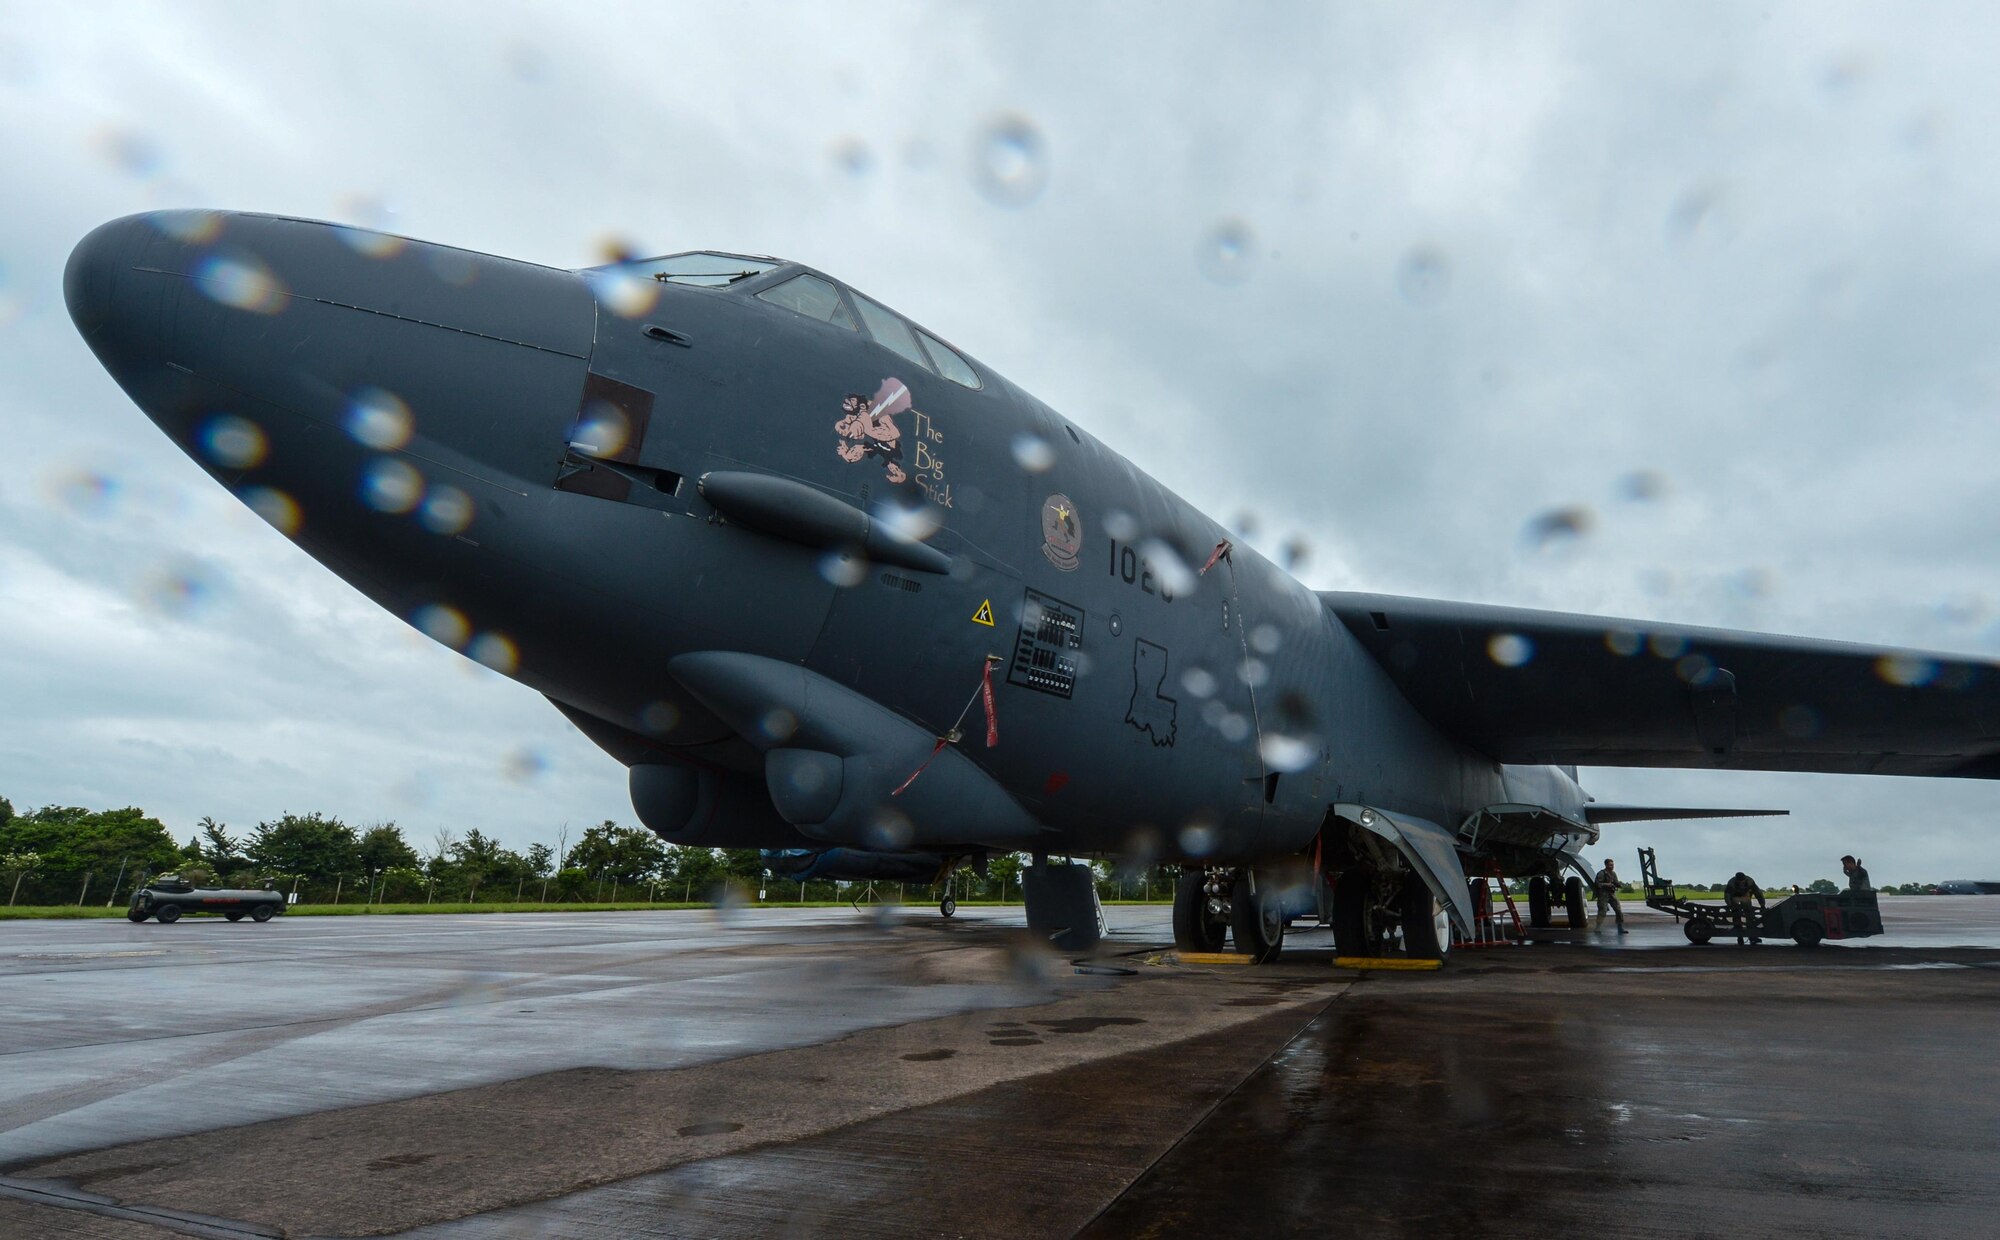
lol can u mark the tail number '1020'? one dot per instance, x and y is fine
(1134, 570)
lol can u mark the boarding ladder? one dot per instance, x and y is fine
(1489, 930)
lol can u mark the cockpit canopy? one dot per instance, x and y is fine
(804, 292)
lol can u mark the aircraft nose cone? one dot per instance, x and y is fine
(96, 287)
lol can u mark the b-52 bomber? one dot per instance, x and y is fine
(830, 587)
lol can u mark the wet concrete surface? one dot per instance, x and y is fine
(813, 1072)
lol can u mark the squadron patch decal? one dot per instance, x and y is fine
(1152, 711)
(1062, 532)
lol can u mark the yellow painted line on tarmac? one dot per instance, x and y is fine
(1402, 963)
(1210, 958)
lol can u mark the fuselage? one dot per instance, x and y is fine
(511, 457)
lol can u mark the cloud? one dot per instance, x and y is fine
(1494, 263)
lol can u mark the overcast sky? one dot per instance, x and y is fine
(1718, 285)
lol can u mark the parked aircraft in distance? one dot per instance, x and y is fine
(822, 581)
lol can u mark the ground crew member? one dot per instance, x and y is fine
(1607, 894)
(1736, 897)
(1857, 875)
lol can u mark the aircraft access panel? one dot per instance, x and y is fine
(1045, 651)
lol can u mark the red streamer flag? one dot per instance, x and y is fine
(986, 696)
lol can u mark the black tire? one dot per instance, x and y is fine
(134, 915)
(1573, 902)
(1426, 923)
(168, 913)
(1354, 930)
(1194, 929)
(263, 912)
(1538, 902)
(1808, 933)
(233, 916)
(947, 906)
(1698, 930)
(1257, 921)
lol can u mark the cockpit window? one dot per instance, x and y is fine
(813, 297)
(889, 331)
(949, 363)
(703, 269)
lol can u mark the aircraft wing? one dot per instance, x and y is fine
(1537, 686)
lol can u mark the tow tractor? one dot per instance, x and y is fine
(1806, 918)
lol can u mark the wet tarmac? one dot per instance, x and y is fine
(819, 1071)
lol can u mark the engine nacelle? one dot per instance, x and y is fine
(708, 809)
(833, 770)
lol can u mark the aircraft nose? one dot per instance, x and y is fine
(112, 309)
(301, 328)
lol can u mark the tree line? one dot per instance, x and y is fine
(64, 854)
(71, 855)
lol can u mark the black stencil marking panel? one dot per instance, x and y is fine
(1045, 651)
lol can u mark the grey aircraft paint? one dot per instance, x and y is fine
(761, 539)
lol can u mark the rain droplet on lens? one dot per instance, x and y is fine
(915, 521)
(278, 509)
(241, 282)
(1906, 670)
(1424, 276)
(1174, 574)
(1623, 642)
(495, 650)
(129, 151)
(1010, 162)
(1033, 453)
(659, 717)
(602, 431)
(1295, 554)
(845, 567)
(1510, 649)
(378, 418)
(1557, 527)
(442, 623)
(626, 292)
(1265, 639)
(852, 156)
(391, 485)
(452, 266)
(232, 442)
(1642, 485)
(523, 765)
(1226, 252)
(1198, 681)
(446, 510)
(1121, 525)
(85, 492)
(195, 227)
(179, 589)
(1288, 753)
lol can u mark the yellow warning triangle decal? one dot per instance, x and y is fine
(985, 614)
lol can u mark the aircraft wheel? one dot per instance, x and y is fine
(1357, 924)
(947, 906)
(1426, 921)
(1698, 930)
(1573, 902)
(1195, 928)
(168, 913)
(1257, 919)
(233, 916)
(134, 915)
(262, 912)
(1808, 933)
(1538, 902)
